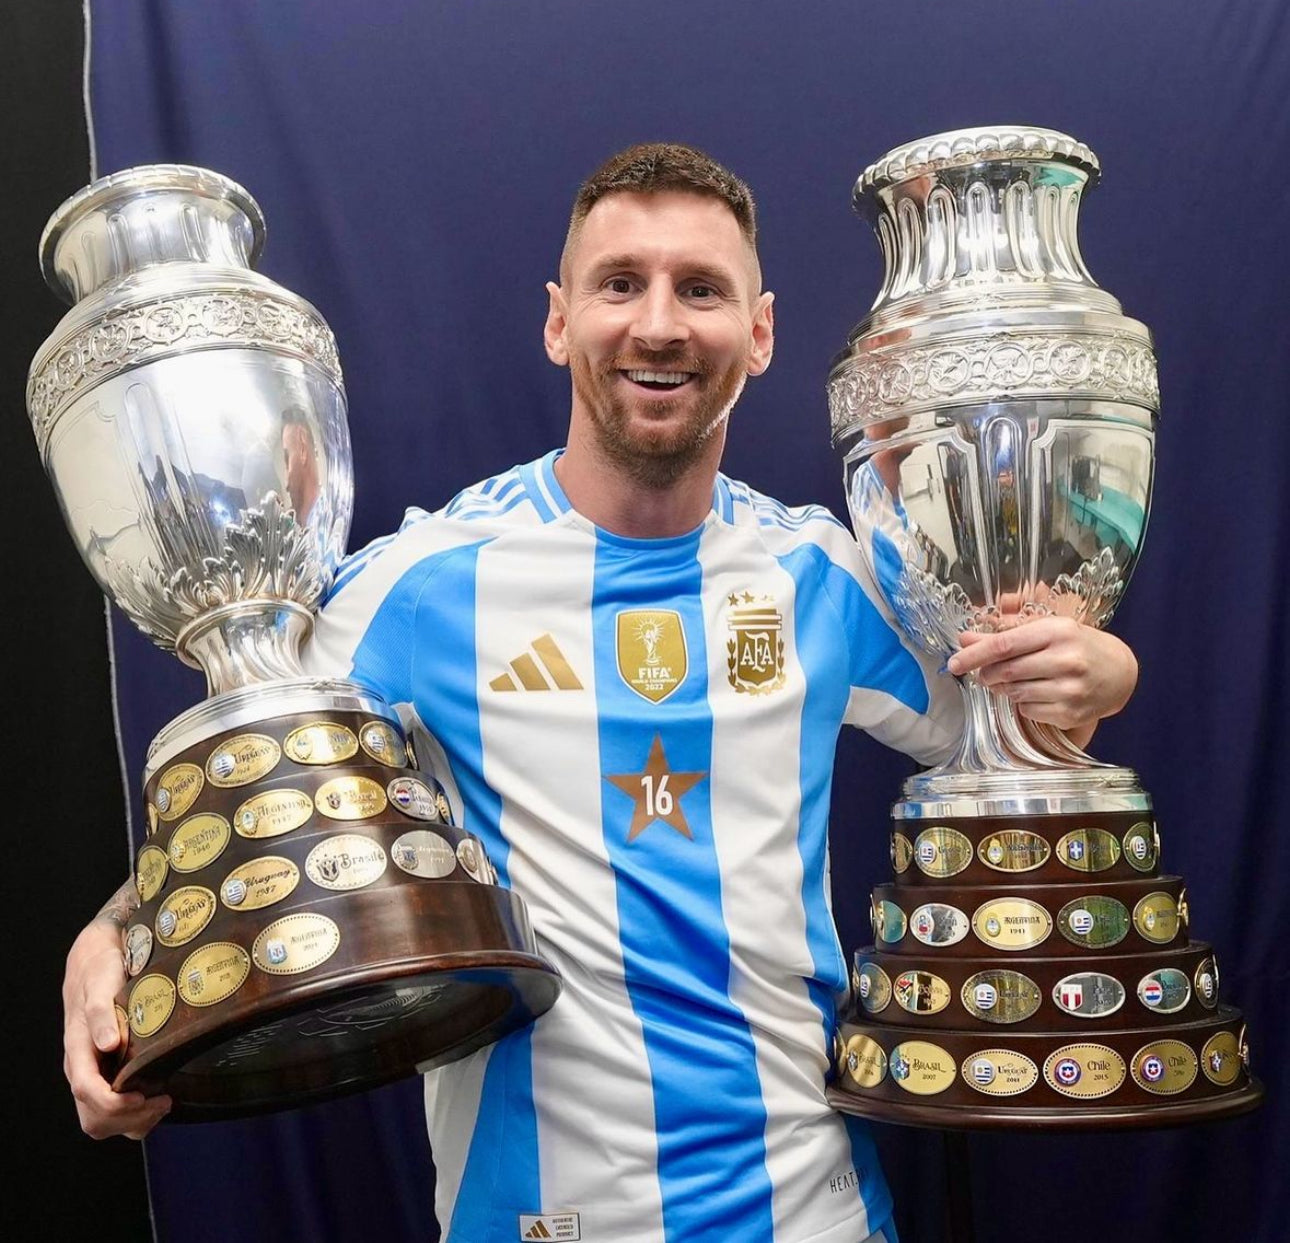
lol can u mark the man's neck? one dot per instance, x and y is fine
(603, 492)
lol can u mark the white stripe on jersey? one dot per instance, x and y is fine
(452, 1104)
(551, 776)
(806, 1144)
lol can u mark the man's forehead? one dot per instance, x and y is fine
(674, 226)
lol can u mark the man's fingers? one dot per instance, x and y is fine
(101, 986)
(980, 650)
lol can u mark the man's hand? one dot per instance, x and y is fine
(95, 973)
(1054, 669)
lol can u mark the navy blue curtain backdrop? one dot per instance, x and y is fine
(416, 161)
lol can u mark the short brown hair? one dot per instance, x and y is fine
(654, 167)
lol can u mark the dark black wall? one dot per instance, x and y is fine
(65, 824)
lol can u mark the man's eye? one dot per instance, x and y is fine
(619, 284)
(702, 292)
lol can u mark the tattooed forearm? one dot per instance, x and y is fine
(121, 905)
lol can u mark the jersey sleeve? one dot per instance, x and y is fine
(898, 692)
(367, 628)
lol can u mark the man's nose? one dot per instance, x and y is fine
(660, 319)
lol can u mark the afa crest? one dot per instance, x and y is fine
(755, 650)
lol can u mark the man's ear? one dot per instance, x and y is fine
(763, 333)
(557, 316)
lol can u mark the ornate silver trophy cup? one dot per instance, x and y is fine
(996, 412)
(311, 920)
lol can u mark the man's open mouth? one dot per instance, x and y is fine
(659, 381)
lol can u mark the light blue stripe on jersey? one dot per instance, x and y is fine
(501, 1179)
(818, 652)
(534, 489)
(827, 689)
(676, 948)
(543, 483)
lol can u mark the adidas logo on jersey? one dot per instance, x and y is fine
(542, 668)
(559, 1227)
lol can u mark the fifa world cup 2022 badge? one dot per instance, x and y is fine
(755, 649)
(652, 656)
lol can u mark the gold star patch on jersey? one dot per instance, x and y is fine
(651, 652)
(755, 649)
(656, 791)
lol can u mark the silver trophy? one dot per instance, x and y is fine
(312, 921)
(995, 410)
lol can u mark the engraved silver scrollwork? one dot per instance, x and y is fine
(169, 326)
(264, 553)
(906, 379)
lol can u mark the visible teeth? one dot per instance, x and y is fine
(659, 377)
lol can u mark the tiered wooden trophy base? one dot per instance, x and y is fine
(312, 923)
(1035, 971)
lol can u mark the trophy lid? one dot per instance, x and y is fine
(978, 145)
(101, 211)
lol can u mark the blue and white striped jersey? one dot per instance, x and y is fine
(642, 733)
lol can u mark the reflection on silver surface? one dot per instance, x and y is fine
(995, 411)
(191, 414)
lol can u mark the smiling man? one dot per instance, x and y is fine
(636, 670)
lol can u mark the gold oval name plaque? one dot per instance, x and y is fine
(1084, 1071)
(1156, 918)
(938, 923)
(414, 798)
(922, 1068)
(1014, 850)
(150, 1004)
(213, 973)
(241, 760)
(138, 948)
(1141, 846)
(1220, 1059)
(942, 852)
(1089, 850)
(425, 853)
(902, 853)
(1094, 921)
(1164, 1067)
(347, 861)
(864, 1061)
(295, 943)
(1166, 991)
(921, 992)
(177, 790)
(151, 869)
(1000, 1072)
(1206, 982)
(873, 986)
(1088, 994)
(259, 883)
(1000, 996)
(889, 922)
(273, 813)
(1012, 923)
(383, 743)
(200, 840)
(184, 914)
(323, 742)
(350, 798)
